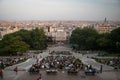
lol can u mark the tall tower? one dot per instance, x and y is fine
(105, 20)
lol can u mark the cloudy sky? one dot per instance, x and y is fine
(60, 10)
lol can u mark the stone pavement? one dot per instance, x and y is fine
(11, 75)
(89, 61)
(108, 73)
(23, 66)
(23, 75)
(84, 58)
(27, 64)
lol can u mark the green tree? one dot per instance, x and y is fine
(84, 38)
(38, 39)
(22, 40)
(25, 35)
(12, 45)
(115, 39)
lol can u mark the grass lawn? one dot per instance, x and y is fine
(7, 65)
(112, 54)
(106, 61)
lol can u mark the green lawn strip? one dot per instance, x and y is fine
(6, 65)
(23, 60)
(105, 61)
(112, 54)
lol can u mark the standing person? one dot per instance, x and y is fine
(37, 60)
(100, 68)
(1, 74)
(2, 64)
(16, 69)
(40, 77)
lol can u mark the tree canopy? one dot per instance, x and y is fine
(115, 39)
(38, 39)
(87, 38)
(84, 38)
(22, 41)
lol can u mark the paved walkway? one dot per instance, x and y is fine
(95, 64)
(26, 65)
(113, 75)
(89, 61)
(84, 58)
(23, 66)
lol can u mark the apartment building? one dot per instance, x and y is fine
(105, 28)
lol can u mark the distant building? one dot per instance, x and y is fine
(51, 29)
(8, 30)
(61, 36)
(57, 33)
(104, 29)
(58, 30)
(105, 21)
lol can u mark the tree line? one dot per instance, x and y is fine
(22, 41)
(90, 39)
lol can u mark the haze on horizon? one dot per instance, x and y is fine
(92, 10)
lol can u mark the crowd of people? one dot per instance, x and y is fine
(9, 61)
(68, 63)
(60, 53)
(114, 61)
(34, 68)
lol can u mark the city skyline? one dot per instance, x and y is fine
(91, 10)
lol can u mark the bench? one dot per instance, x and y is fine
(90, 71)
(51, 71)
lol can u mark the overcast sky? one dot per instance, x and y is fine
(60, 10)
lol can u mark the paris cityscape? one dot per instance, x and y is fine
(59, 39)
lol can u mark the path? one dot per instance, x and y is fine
(23, 67)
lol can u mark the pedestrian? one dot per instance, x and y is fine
(37, 60)
(1, 74)
(40, 77)
(16, 69)
(2, 65)
(100, 68)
